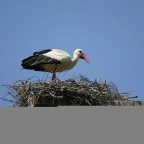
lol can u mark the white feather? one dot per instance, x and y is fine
(58, 54)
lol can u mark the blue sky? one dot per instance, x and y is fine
(110, 32)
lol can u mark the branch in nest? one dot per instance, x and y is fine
(74, 91)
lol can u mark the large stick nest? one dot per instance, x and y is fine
(75, 91)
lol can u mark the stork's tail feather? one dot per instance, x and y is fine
(26, 63)
(31, 63)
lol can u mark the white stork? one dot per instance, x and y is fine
(53, 60)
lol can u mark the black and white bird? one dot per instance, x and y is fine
(53, 60)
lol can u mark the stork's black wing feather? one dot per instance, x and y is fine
(37, 61)
(42, 52)
(28, 63)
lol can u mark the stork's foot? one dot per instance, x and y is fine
(54, 77)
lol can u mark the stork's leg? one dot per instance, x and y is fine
(54, 76)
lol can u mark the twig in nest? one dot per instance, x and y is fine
(74, 91)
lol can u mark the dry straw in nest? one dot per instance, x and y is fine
(72, 92)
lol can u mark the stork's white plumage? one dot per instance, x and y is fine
(53, 60)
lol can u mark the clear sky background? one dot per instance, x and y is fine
(110, 32)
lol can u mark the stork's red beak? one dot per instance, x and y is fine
(83, 56)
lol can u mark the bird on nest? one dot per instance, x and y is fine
(53, 60)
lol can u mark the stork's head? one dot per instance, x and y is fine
(81, 55)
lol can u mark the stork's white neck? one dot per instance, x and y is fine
(74, 60)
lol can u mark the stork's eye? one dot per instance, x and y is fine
(80, 51)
